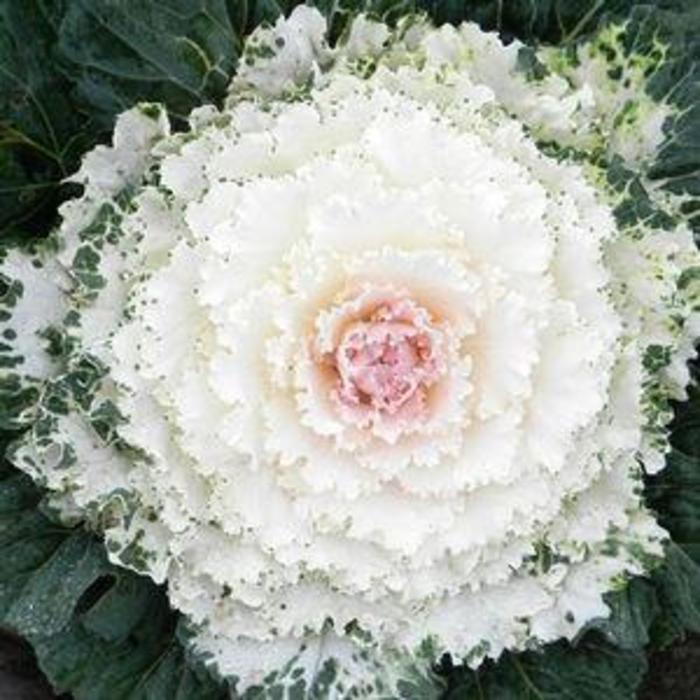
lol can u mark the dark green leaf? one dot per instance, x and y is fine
(179, 52)
(632, 612)
(100, 632)
(593, 670)
(67, 69)
(46, 602)
(41, 132)
(678, 589)
(675, 495)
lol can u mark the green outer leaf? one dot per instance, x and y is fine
(552, 21)
(592, 671)
(179, 52)
(609, 659)
(45, 604)
(68, 67)
(41, 133)
(100, 632)
(633, 611)
(678, 589)
(676, 496)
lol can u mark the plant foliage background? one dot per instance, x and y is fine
(67, 67)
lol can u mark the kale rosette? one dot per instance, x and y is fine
(368, 364)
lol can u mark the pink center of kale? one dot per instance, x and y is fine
(387, 362)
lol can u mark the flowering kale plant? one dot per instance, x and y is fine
(371, 363)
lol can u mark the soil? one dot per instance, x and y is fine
(20, 679)
(674, 674)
